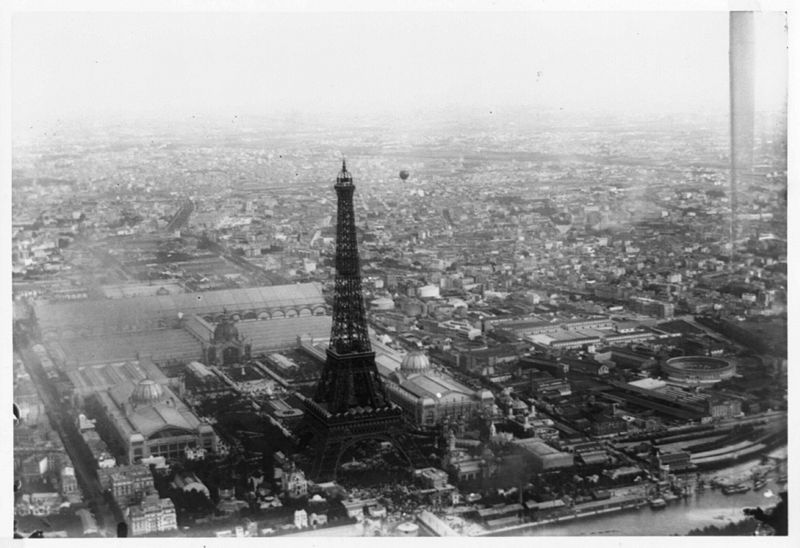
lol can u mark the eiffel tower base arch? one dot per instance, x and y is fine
(330, 436)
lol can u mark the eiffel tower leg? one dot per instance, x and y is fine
(327, 451)
(408, 448)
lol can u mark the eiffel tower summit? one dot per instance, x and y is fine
(351, 404)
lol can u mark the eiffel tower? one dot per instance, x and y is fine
(351, 403)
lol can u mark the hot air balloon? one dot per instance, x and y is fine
(404, 174)
(562, 221)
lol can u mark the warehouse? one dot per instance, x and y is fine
(543, 457)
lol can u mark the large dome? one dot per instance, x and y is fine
(415, 362)
(225, 331)
(146, 392)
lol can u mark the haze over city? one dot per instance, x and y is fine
(93, 65)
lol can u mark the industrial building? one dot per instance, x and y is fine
(543, 457)
(143, 416)
(429, 396)
(179, 328)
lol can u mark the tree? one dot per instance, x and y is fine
(777, 518)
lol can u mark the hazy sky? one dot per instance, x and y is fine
(93, 64)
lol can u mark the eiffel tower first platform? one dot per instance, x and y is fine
(351, 404)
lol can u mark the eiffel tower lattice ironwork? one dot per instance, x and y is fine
(351, 403)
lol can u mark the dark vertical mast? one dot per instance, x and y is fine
(351, 403)
(350, 378)
(349, 329)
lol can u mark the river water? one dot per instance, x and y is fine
(708, 507)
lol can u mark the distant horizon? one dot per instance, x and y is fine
(507, 119)
(103, 66)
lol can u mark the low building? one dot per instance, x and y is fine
(354, 508)
(526, 427)
(492, 514)
(317, 520)
(482, 359)
(608, 425)
(652, 307)
(633, 336)
(44, 503)
(206, 381)
(540, 509)
(564, 340)
(69, 483)
(586, 366)
(649, 383)
(153, 515)
(127, 484)
(431, 478)
(466, 468)
(294, 483)
(535, 325)
(727, 408)
(377, 511)
(283, 363)
(300, 519)
(674, 461)
(545, 382)
(543, 457)
(593, 457)
(630, 359)
(436, 524)
(190, 482)
(541, 365)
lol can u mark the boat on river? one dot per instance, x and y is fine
(735, 489)
(658, 503)
(669, 496)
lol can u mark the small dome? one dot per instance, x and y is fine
(225, 331)
(146, 392)
(519, 404)
(415, 362)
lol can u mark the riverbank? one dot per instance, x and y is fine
(701, 508)
(578, 512)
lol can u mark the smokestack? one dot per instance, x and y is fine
(742, 103)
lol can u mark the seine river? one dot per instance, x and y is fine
(708, 507)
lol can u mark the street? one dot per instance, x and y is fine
(79, 453)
